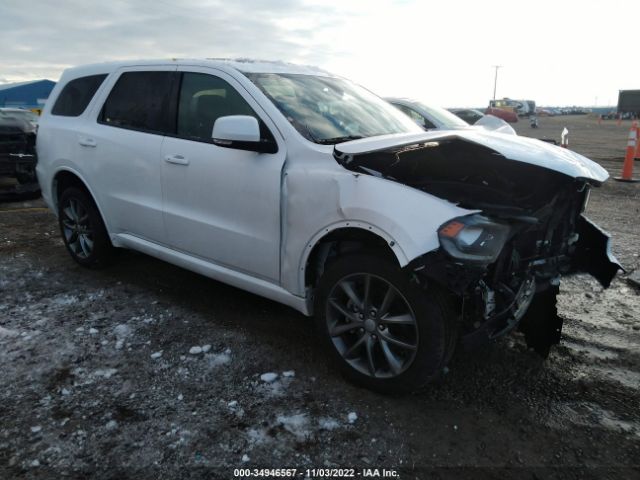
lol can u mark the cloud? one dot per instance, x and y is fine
(68, 33)
(440, 52)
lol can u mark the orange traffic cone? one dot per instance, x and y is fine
(627, 167)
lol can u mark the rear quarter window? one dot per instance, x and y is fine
(76, 95)
(142, 101)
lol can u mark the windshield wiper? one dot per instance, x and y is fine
(334, 140)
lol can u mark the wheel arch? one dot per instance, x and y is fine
(343, 238)
(67, 177)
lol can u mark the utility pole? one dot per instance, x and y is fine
(495, 80)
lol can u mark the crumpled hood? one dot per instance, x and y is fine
(517, 148)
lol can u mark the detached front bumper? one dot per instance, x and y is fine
(496, 297)
(593, 253)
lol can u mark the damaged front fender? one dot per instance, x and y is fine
(504, 265)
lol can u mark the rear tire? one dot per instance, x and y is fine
(395, 338)
(82, 229)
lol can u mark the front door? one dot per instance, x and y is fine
(221, 204)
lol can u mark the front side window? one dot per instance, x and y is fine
(76, 95)
(205, 98)
(415, 116)
(445, 118)
(329, 110)
(141, 101)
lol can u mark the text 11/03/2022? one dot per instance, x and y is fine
(314, 473)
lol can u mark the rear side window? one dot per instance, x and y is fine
(141, 101)
(76, 95)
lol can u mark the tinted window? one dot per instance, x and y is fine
(445, 118)
(141, 101)
(415, 116)
(76, 95)
(205, 98)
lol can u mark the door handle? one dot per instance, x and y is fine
(87, 142)
(176, 159)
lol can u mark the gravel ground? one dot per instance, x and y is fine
(145, 370)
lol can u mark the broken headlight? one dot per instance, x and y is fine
(473, 239)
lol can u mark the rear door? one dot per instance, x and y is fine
(122, 148)
(221, 204)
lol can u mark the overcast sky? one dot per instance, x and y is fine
(554, 52)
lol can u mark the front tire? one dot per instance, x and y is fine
(83, 231)
(383, 330)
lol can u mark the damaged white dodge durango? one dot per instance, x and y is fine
(307, 189)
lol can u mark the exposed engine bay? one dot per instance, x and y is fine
(507, 259)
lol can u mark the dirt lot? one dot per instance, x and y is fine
(98, 379)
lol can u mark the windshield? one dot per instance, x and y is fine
(443, 117)
(330, 110)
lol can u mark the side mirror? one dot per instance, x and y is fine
(241, 132)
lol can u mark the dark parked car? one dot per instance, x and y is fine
(17, 154)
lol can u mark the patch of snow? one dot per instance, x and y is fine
(235, 408)
(180, 397)
(206, 348)
(195, 350)
(257, 436)
(36, 429)
(93, 331)
(65, 392)
(273, 386)
(268, 377)
(245, 458)
(289, 374)
(35, 463)
(218, 359)
(352, 417)
(121, 331)
(328, 423)
(156, 355)
(6, 333)
(64, 300)
(298, 425)
(105, 372)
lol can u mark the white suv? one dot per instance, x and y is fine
(307, 189)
